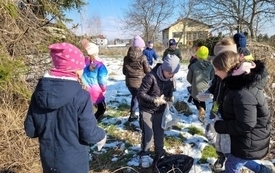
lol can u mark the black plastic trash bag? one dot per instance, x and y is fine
(180, 163)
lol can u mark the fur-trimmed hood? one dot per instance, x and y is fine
(256, 78)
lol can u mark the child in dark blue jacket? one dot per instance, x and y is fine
(60, 114)
(150, 53)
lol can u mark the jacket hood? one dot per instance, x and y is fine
(53, 93)
(202, 64)
(256, 78)
(134, 58)
(156, 67)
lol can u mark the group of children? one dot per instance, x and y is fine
(151, 88)
(61, 108)
(239, 107)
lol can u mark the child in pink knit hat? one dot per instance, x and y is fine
(61, 115)
(67, 59)
(135, 66)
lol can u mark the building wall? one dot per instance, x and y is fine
(193, 31)
(100, 42)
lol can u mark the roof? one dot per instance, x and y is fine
(99, 36)
(192, 20)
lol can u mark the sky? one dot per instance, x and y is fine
(110, 11)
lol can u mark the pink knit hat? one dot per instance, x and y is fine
(138, 42)
(66, 60)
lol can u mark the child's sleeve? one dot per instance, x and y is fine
(102, 77)
(179, 54)
(123, 66)
(155, 55)
(89, 132)
(189, 76)
(164, 54)
(29, 124)
(144, 88)
(146, 67)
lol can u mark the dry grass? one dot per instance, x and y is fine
(122, 51)
(17, 152)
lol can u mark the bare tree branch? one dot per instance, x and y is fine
(242, 15)
(146, 16)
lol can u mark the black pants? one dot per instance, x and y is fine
(134, 101)
(199, 104)
(101, 108)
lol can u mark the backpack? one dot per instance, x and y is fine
(180, 163)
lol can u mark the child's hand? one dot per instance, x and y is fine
(160, 100)
(101, 143)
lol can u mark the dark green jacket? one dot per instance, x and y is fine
(172, 52)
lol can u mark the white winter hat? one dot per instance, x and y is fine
(92, 49)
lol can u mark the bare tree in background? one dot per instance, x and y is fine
(146, 16)
(237, 15)
(93, 25)
(187, 10)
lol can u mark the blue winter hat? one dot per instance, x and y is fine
(172, 42)
(240, 40)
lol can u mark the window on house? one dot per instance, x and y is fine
(202, 34)
(177, 34)
(189, 36)
(194, 36)
(189, 43)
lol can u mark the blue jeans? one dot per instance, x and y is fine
(234, 164)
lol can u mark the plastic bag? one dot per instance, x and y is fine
(179, 163)
(169, 117)
(221, 142)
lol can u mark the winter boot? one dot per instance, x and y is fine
(158, 156)
(218, 165)
(190, 99)
(132, 117)
(201, 114)
(145, 161)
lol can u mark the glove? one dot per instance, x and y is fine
(101, 143)
(160, 100)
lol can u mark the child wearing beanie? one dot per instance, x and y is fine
(150, 53)
(155, 91)
(60, 114)
(199, 75)
(95, 79)
(135, 66)
(192, 60)
(172, 50)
